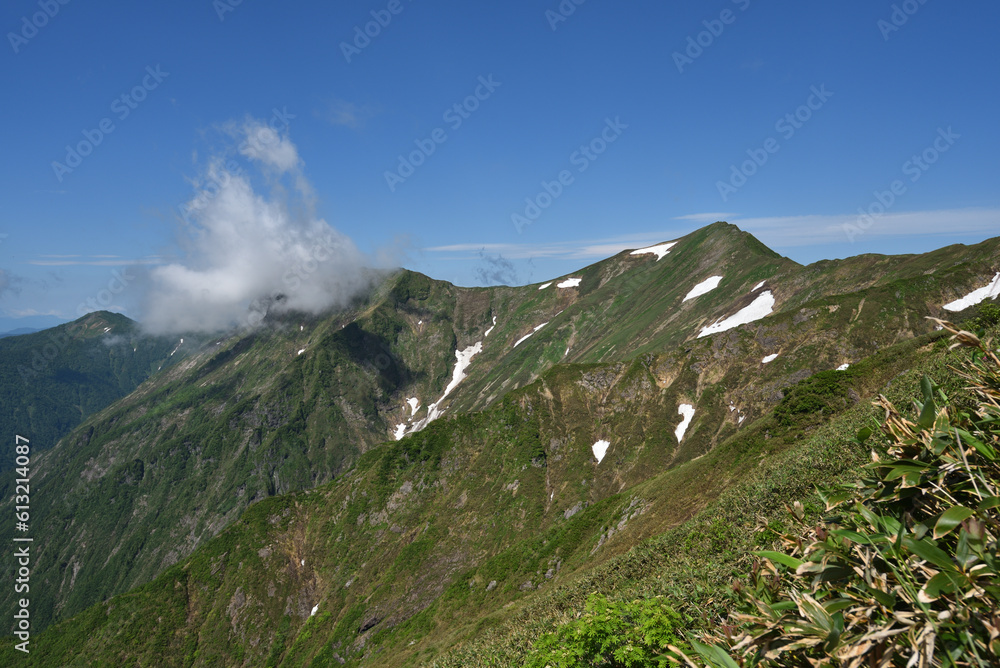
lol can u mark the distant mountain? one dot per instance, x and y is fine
(438, 454)
(53, 379)
(19, 331)
(36, 322)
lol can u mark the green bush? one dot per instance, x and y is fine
(616, 635)
(987, 316)
(903, 571)
(824, 393)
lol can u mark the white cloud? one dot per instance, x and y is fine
(262, 143)
(247, 254)
(349, 114)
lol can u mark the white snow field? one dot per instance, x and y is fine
(759, 308)
(769, 359)
(527, 336)
(991, 291)
(600, 449)
(687, 410)
(464, 358)
(704, 287)
(660, 251)
(570, 283)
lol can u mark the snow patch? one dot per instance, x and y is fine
(769, 359)
(741, 419)
(303, 562)
(464, 358)
(315, 608)
(687, 410)
(301, 351)
(991, 291)
(414, 405)
(107, 329)
(843, 367)
(545, 285)
(600, 449)
(705, 286)
(176, 348)
(758, 286)
(570, 283)
(526, 336)
(659, 251)
(400, 431)
(491, 328)
(759, 308)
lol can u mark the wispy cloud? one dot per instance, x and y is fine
(28, 312)
(348, 114)
(789, 231)
(707, 218)
(563, 250)
(5, 282)
(774, 231)
(94, 261)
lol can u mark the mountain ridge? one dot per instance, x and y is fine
(305, 400)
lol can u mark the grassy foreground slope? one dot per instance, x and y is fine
(453, 538)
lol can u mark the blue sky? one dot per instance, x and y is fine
(648, 111)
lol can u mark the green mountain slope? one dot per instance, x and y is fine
(477, 529)
(310, 400)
